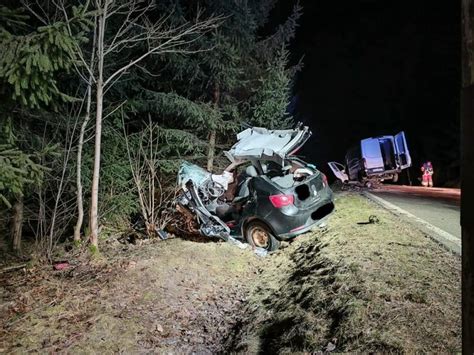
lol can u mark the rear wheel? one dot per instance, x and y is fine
(259, 235)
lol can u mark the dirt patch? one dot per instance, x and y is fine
(356, 286)
(161, 297)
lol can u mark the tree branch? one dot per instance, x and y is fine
(175, 39)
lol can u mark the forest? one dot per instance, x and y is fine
(100, 101)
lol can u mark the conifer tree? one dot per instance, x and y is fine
(30, 60)
(242, 78)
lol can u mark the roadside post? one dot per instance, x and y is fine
(467, 175)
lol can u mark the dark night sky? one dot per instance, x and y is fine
(378, 67)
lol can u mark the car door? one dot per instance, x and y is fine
(372, 155)
(401, 147)
(339, 171)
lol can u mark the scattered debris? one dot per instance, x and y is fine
(261, 252)
(62, 265)
(330, 347)
(373, 219)
(162, 234)
(258, 251)
(237, 243)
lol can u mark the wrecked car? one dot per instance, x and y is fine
(264, 196)
(373, 160)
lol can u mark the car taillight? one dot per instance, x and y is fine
(280, 201)
(325, 180)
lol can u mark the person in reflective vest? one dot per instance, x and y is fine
(427, 174)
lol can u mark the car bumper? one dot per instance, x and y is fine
(304, 223)
(306, 229)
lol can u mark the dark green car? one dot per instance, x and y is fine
(264, 196)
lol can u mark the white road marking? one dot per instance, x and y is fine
(450, 241)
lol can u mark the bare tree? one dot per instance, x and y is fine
(55, 206)
(60, 207)
(80, 144)
(136, 30)
(144, 164)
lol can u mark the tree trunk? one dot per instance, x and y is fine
(80, 203)
(17, 224)
(94, 208)
(80, 200)
(213, 133)
(94, 214)
(211, 150)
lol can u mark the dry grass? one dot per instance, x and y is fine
(160, 297)
(359, 287)
(352, 287)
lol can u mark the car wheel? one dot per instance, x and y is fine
(260, 236)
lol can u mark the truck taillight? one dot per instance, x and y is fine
(280, 201)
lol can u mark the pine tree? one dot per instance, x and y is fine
(239, 79)
(30, 60)
(31, 57)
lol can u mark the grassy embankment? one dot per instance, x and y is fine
(368, 287)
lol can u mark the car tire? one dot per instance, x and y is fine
(259, 235)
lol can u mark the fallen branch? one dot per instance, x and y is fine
(12, 268)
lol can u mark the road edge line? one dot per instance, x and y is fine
(447, 240)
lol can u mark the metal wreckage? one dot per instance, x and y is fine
(266, 194)
(374, 160)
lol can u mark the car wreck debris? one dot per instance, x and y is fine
(374, 160)
(264, 196)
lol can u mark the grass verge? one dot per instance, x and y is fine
(356, 286)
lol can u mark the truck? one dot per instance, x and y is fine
(374, 159)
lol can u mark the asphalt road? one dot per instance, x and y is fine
(437, 206)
